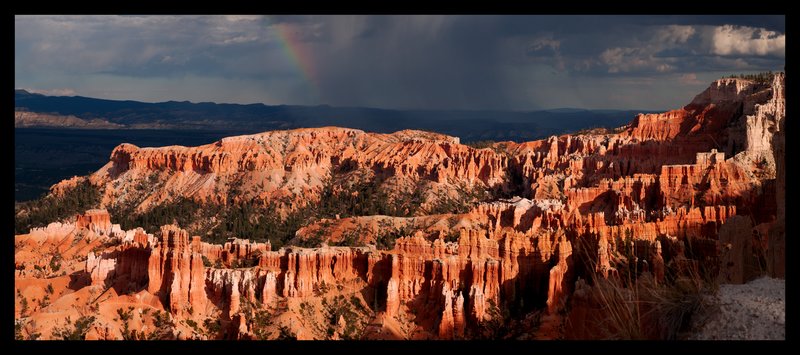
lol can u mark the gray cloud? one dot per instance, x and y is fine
(470, 61)
(729, 40)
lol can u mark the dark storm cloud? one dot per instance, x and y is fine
(472, 62)
(145, 46)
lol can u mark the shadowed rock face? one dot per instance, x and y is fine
(588, 204)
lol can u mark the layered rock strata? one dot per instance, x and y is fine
(667, 195)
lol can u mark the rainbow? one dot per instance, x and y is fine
(298, 53)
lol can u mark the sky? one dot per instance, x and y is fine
(472, 62)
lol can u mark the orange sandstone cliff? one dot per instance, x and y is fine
(699, 187)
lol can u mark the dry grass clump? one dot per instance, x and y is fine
(635, 306)
(647, 310)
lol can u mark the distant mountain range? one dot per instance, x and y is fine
(36, 110)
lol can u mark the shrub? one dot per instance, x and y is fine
(193, 324)
(284, 333)
(76, 331)
(386, 238)
(44, 302)
(261, 322)
(17, 329)
(353, 313)
(212, 326)
(350, 239)
(55, 263)
(23, 307)
(321, 289)
(163, 326)
(125, 317)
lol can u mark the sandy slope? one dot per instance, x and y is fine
(752, 311)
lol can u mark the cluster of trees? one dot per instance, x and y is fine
(344, 194)
(125, 317)
(363, 197)
(594, 130)
(255, 222)
(464, 199)
(182, 211)
(262, 320)
(354, 313)
(213, 327)
(387, 236)
(19, 324)
(74, 331)
(497, 147)
(763, 77)
(350, 238)
(163, 325)
(481, 144)
(50, 208)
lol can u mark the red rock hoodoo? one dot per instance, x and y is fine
(669, 192)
